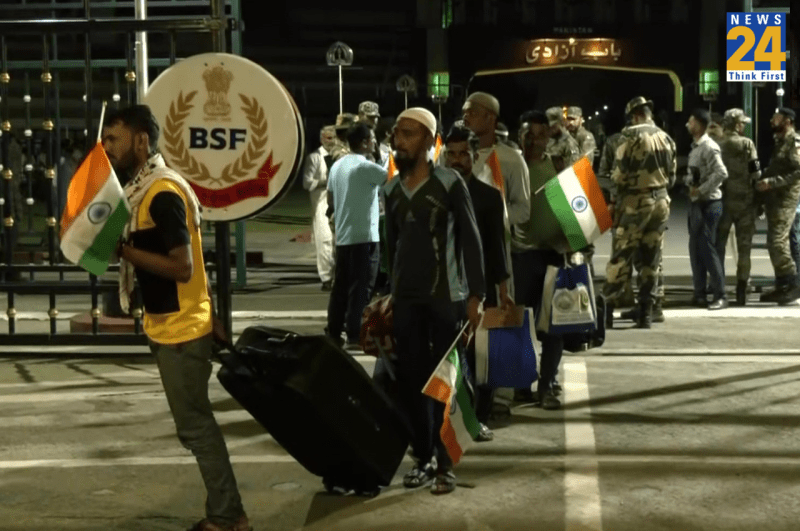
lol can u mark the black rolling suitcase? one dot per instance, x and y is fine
(320, 405)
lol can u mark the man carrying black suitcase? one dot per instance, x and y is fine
(436, 266)
(161, 244)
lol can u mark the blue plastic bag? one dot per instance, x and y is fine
(506, 356)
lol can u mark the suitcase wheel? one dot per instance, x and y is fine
(359, 490)
(368, 493)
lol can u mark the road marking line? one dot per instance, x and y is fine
(581, 482)
(670, 356)
(767, 311)
(242, 314)
(636, 460)
(146, 378)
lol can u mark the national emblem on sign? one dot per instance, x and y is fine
(218, 83)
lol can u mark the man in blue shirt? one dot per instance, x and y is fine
(353, 185)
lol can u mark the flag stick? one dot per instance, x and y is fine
(100, 126)
(447, 352)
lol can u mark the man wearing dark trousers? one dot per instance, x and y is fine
(462, 151)
(436, 266)
(353, 185)
(706, 174)
(161, 245)
(530, 260)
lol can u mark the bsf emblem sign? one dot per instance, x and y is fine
(756, 47)
(231, 129)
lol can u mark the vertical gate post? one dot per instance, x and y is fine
(141, 54)
(50, 173)
(8, 221)
(223, 230)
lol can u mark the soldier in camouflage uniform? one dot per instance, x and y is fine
(562, 148)
(369, 113)
(604, 178)
(738, 195)
(780, 185)
(584, 138)
(340, 147)
(644, 167)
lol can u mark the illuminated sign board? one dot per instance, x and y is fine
(586, 51)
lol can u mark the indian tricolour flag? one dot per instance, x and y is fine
(95, 214)
(460, 427)
(578, 204)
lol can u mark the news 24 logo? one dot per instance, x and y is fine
(756, 47)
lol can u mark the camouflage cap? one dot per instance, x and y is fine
(734, 116)
(345, 120)
(574, 112)
(554, 115)
(787, 112)
(368, 108)
(636, 102)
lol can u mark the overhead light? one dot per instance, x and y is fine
(605, 107)
(780, 92)
(572, 40)
(597, 113)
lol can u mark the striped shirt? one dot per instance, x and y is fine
(432, 240)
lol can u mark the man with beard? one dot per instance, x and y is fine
(563, 149)
(462, 147)
(161, 244)
(584, 138)
(780, 186)
(315, 180)
(436, 266)
(369, 113)
(738, 196)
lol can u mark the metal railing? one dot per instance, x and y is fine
(215, 26)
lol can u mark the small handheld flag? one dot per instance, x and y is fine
(95, 213)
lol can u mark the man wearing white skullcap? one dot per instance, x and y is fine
(436, 269)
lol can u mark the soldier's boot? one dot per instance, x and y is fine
(645, 317)
(609, 316)
(790, 291)
(783, 291)
(658, 312)
(633, 313)
(741, 292)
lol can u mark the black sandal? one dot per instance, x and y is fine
(418, 477)
(445, 483)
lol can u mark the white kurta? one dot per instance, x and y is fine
(315, 180)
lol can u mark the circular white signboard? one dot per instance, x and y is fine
(231, 129)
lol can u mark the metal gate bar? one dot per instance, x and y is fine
(48, 29)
